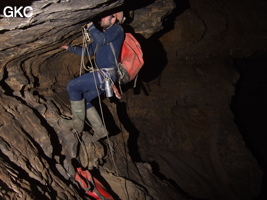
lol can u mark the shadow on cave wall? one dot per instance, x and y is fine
(155, 59)
(250, 108)
(155, 56)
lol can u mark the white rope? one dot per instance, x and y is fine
(83, 146)
(99, 98)
(84, 47)
(104, 123)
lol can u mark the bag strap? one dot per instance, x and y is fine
(117, 64)
(113, 51)
(119, 72)
(116, 61)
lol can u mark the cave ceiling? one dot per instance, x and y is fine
(53, 23)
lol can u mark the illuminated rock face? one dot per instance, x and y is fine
(173, 138)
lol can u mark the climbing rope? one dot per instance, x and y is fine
(86, 39)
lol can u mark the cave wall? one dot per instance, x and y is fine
(35, 158)
(175, 132)
(187, 126)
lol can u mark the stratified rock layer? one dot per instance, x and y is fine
(172, 137)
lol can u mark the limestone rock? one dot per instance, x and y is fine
(174, 137)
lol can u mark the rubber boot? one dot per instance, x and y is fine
(99, 129)
(78, 116)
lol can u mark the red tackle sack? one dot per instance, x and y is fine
(91, 185)
(131, 59)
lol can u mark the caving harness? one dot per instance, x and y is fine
(103, 75)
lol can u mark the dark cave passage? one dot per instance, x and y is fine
(250, 108)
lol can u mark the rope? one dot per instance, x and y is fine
(83, 145)
(86, 39)
(104, 123)
(99, 98)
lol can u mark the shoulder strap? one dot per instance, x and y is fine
(118, 71)
(113, 51)
(116, 61)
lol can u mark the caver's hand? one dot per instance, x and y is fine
(64, 47)
(89, 24)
